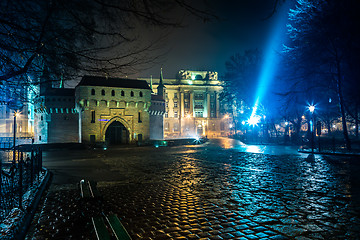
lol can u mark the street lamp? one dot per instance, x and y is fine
(312, 109)
(16, 113)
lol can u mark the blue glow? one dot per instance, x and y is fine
(270, 60)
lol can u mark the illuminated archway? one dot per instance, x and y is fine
(116, 131)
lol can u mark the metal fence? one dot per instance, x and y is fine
(20, 171)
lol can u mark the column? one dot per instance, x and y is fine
(192, 104)
(181, 117)
(208, 105)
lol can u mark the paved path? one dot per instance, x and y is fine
(211, 191)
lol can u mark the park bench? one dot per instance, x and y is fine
(88, 189)
(115, 227)
(109, 227)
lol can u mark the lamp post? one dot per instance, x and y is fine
(16, 113)
(312, 109)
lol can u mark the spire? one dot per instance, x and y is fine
(161, 87)
(161, 79)
(151, 86)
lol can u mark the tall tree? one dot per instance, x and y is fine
(240, 82)
(68, 37)
(324, 37)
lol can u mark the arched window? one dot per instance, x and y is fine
(140, 94)
(103, 92)
(113, 93)
(122, 93)
(92, 91)
(132, 93)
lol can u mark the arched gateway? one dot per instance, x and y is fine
(116, 133)
(113, 110)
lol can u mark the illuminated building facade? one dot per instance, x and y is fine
(192, 105)
(56, 116)
(17, 99)
(113, 110)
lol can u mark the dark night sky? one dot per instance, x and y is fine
(207, 46)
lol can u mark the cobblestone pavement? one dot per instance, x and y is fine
(212, 192)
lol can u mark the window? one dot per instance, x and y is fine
(113, 93)
(39, 138)
(199, 114)
(186, 104)
(175, 95)
(199, 104)
(122, 93)
(176, 127)
(140, 94)
(166, 114)
(92, 116)
(92, 91)
(103, 92)
(175, 104)
(139, 117)
(131, 93)
(92, 139)
(175, 114)
(42, 118)
(166, 126)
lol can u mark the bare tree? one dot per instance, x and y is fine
(68, 38)
(325, 36)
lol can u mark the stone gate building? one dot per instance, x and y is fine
(113, 110)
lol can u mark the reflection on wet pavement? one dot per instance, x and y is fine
(157, 192)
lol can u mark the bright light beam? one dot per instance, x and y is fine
(269, 68)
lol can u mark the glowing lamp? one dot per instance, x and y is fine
(311, 108)
(253, 120)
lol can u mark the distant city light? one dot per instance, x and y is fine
(230, 125)
(243, 122)
(286, 123)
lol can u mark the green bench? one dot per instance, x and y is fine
(88, 189)
(105, 229)
(117, 229)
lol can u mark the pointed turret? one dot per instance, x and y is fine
(161, 87)
(151, 86)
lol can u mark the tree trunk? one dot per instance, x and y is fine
(342, 107)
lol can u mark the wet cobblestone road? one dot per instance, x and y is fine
(209, 191)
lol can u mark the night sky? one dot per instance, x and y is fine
(207, 46)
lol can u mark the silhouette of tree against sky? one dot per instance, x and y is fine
(69, 38)
(324, 42)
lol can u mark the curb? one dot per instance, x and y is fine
(30, 212)
(332, 153)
